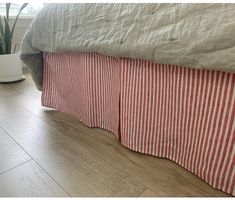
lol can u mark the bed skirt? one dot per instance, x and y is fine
(183, 114)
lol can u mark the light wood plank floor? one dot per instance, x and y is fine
(47, 153)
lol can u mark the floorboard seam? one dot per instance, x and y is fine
(34, 161)
(15, 166)
(53, 178)
(5, 131)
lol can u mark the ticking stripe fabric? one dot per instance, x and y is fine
(83, 85)
(179, 113)
(183, 114)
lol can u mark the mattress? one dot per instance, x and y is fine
(176, 112)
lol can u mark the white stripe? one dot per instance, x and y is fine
(229, 145)
(155, 129)
(159, 114)
(133, 102)
(165, 111)
(152, 111)
(141, 111)
(195, 168)
(193, 130)
(208, 131)
(169, 112)
(215, 144)
(185, 82)
(179, 116)
(171, 143)
(176, 114)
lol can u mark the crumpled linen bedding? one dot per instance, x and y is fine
(192, 35)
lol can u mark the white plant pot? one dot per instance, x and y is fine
(11, 68)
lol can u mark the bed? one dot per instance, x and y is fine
(159, 76)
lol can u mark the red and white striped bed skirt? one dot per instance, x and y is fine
(183, 114)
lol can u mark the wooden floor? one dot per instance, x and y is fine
(47, 153)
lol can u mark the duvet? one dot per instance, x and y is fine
(191, 35)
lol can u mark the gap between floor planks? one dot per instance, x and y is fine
(121, 172)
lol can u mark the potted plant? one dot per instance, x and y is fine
(10, 63)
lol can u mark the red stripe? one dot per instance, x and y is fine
(151, 118)
(211, 118)
(216, 130)
(153, 107)
(193, 93)
(183, 114)
(193, 130)
(169, 112)
(172, 112)
(175, 89)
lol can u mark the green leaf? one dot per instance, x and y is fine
(16, 19)
(1, 26)
(6, 33)
(1, 38)
(7, 37)
(8, 5)
(2, 44)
